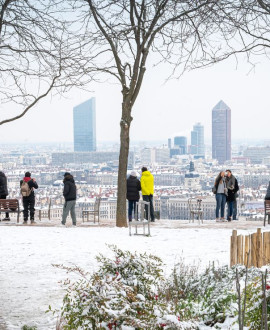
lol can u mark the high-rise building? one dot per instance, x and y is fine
(181, 143)
(84, 125)
(221, 132)
(197, 140)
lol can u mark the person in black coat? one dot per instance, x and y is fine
(28, 194)
(4, 191)
(70, 195)
(133, 196)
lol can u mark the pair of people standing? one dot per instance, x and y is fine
(146, 185)
(225, 188)
(27, 185)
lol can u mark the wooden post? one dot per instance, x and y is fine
(259, 248)
(247, 251)
(266, 247)
(233, 248)
(240, 249)
(253, 247)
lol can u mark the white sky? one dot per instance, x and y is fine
(161, 110)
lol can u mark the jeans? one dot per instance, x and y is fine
(131, 209)
(29, 207)
(234, 209)
(221, 201)
(230, 209)
(149, 198)
(69, 206)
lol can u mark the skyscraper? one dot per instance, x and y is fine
(181, 143)
(221, 132)
(84, 126)
(197, 140)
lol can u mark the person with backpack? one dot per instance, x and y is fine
(4, 191)
(236, 194)
(28, 185)
(133, 195)
(70, 195)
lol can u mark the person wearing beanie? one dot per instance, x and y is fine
(133, 196)
(70, 195)
(28, 185)
(147, 184)
(4, 191)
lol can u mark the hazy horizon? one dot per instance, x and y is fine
(162, 110)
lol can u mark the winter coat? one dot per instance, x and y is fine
(3, 185)
(267, 196)
(70, 190)
(32, 185)
(133, 188)
(232, 192)
(230, 182)
(147, 183)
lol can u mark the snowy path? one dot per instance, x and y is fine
(29, 283)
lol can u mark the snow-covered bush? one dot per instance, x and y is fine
(129, 291)
(253, 315)
(125, 293)
(211, 297)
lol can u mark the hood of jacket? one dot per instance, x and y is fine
(69, 178)
(2, 174)
(146, 173)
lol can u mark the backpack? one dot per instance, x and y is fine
(25, 189)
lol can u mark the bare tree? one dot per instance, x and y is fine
(35, 54)
(121, 36)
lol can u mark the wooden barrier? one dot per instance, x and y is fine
(250, 250)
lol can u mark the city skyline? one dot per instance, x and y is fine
(161, 110)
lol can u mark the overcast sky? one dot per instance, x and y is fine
(161, 110)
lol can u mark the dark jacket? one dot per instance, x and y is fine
(32, 185)
(133, 188)
(3, 185)
(232, 192)
(70, 190)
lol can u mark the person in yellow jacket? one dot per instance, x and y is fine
(147, 185)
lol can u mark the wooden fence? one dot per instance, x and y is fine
(250, 250)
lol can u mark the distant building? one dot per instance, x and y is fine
(181, 143)
(155, 155)
(169, 143)
(84, 125)
(257, 154)
(97, 157)
(221, 132)
(192, 179)
(197, 140)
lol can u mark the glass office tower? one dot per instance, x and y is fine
(197, 140)
(181, 143)
(221, 132)
(84, 125)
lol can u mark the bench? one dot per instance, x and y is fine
(266, 211)
(139, 218)
(94, 213)
(10, 206)
(195, 209)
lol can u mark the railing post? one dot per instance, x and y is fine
(233, 248)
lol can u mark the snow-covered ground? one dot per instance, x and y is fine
(29, 283)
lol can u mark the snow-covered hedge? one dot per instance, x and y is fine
(129, 291)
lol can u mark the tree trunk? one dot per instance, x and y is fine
(121, 216)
